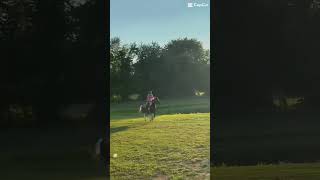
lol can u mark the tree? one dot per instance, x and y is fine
(146, 68)
(182, 57)
(121, 69)
(177, 69)
(53, 54)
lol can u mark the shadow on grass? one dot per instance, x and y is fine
(129, 110)
(125, 116)
(118, 129)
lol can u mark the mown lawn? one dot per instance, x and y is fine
(244, 142)
(303, 171)
(167, 106)
(49, 154)
(175, 146)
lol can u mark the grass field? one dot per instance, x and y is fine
(175, 146)
(305, 171)
(48, 154)
(242, 143)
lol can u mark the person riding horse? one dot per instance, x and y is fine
(149, 100)
(150, 105)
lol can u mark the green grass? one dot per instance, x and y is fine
(175, 146)
(50, 154)
(304, 171)
(292, 138)
(167, 106)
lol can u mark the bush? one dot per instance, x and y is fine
(134, 97)
(116, 98)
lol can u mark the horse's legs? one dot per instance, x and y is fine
(152, 116)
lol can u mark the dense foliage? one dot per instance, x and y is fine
(52, 54)
(265, 49)
(178, 69)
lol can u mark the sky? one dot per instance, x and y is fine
(144, 21)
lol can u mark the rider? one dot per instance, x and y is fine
(150, 98)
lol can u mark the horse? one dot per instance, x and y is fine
(148, 110)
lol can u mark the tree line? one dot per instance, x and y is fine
(52, 55)
(178, 69)
(265, 49)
